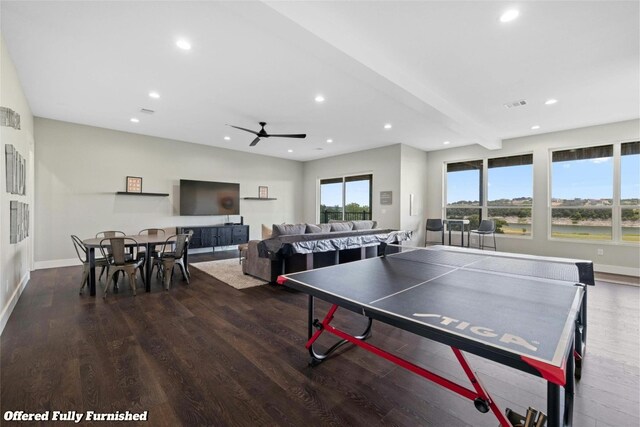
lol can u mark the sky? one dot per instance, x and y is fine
(593, 178)
(504, 183)
(357, 191)
(586, 179)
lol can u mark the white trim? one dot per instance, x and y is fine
(55, 263)
(616, 269)
(8, 309)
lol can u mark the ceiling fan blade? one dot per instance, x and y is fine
(246, 130)
(295, 135)
(255, 141)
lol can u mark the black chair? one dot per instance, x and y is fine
(486, 227)
(434, 225)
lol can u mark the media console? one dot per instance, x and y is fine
(210, 236)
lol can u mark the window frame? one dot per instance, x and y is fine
(344, 179)
(619, 190)
(615, 208)
(484, 207)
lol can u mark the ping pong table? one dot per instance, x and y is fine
(526, 312)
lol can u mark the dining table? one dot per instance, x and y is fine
(148, 241)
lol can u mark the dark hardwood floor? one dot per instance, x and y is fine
(208, 354)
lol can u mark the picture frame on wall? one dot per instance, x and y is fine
(263, 192)
(134, 184)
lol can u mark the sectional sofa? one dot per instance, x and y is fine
(299, 247)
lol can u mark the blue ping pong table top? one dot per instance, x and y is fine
(513, 305)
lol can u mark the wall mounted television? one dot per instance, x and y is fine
(209, 198)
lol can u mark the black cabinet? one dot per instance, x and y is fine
(210, 236)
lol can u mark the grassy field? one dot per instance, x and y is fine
(588, 236)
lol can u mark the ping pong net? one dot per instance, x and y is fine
(566, 270)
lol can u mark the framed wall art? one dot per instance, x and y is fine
(263, 192)
(134, 184)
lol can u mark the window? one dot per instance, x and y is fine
(346, 198)
(510, 194)
(630, 191)
(582, 193)
(464, 191)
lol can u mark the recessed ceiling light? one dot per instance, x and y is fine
(329, 141)
(447, 142)
(154, 95)
(534, 127)
(387, 126)
(135, 120)
(509, 15)
(550, 101)
(319, 98)
(289, 151)
(227, 138)
(183, 44)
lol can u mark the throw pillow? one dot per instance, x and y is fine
(312, 228)
(266, 232)
(318, 228)
(288, 229)
(362, 225)
(341, 226)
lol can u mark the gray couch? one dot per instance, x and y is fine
(299, 247)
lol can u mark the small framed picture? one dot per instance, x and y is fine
(134, 184)
(263, 192)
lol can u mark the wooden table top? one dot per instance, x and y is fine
(143, 239)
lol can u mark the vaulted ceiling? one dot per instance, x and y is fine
(435, 70)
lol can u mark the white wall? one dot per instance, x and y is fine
(617, 258)
(413, 176)
(383, 163)
(79, 168)
(15, 259)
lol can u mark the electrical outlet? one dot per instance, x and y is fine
(600, 251)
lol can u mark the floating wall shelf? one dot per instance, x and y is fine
(142, 194)
(259, 198)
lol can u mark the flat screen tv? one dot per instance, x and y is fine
(209, 198)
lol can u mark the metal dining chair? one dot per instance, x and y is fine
(150, 232)
(486, 227)
(167, 259)
(114, 251)
(104, 235)
(434, 225)
(83, 255)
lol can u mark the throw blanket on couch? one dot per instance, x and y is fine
(288, 245)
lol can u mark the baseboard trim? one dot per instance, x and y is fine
(616, 269)
(55, 263)
(8, 308)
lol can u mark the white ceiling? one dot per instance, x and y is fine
(437, 70)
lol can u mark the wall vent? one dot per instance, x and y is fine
(515, 104)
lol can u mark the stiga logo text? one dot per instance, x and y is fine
(481, 331)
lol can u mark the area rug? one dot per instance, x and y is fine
(228, 271)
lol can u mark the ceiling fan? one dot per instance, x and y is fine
(263, 134)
